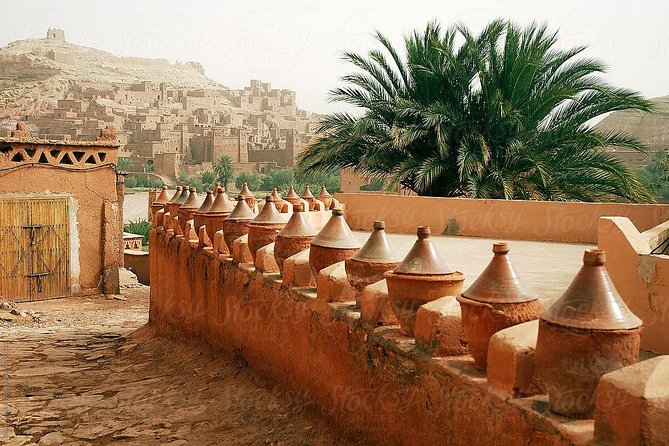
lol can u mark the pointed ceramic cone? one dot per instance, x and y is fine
(308, 197)
(334, 243)
(586, 333)
(159, 202)
(188, 208)
(292, 197)
(325, 197)
(495, 301)
(216, 186)
(295, 237)
(422, 277)
(172, 207)
(248, 196)
(368, 265)
(237, 223)
(264, 228)
(219, 210)
(278, 201)
(198, 220)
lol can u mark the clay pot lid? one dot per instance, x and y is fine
(298, 225)
(422, 259)
(162, 198)
(306, 193)
(376, 249)
(222, 204)
(242, 211)
(206, 204)
(245, 192)
(176, 195)
(591, 301)
(324, 193)
(216, 186)
(275, 195)
(292, 196)
(336, 233)
(185, 193)
(268, 215)
(193, 201)
(498, 283)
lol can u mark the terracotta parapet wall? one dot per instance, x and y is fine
(505, 219)
(373, 382)
(641, 278)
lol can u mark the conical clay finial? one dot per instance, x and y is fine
(591, 301)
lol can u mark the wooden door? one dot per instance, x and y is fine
(34, 248)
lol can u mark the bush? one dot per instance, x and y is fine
(282, 179)
(131, 181)
(135, 180)
(375, 185)
(139, 227)
(253, 180)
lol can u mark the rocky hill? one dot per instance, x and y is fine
(650, 128)
(34, 73)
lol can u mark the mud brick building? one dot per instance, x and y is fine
(61, 206)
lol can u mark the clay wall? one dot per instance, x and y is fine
(369, 381)
(571, 222)
(96, 221)
(641, 277)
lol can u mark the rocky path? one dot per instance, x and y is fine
(88, 372)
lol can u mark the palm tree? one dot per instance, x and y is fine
(123, 164)
(502, 114)
(224, 170)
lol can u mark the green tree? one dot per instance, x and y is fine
(253, 180)
(282, 179)
(123, 164)
(316, 179)
(207, 178)
(502, 114)
(224, 169)
(655, 176)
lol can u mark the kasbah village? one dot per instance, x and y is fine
(182, 263)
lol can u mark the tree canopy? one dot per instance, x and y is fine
(224, 170)
(504, 113)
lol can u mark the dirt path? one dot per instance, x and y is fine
(85, 371)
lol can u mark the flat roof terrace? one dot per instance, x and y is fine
(546, 268)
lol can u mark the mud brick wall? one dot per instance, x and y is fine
(369, 381)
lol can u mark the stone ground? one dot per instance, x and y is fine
(86, 371)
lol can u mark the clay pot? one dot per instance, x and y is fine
(214, 216)
(308, 197)
(278, 201)
(292, 197)
(372, 260)
(186, 210)
(325, 197)
(295, 237)
(197, 216)
(334, 243)
(185, 193)
(248, 196)
(495, 301)
(264, 228)
(421, 277)
(586, 333)
(159, 202)
(171, 207)
(237, 223)
(216, 186)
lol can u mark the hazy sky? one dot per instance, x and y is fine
(297, 44)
